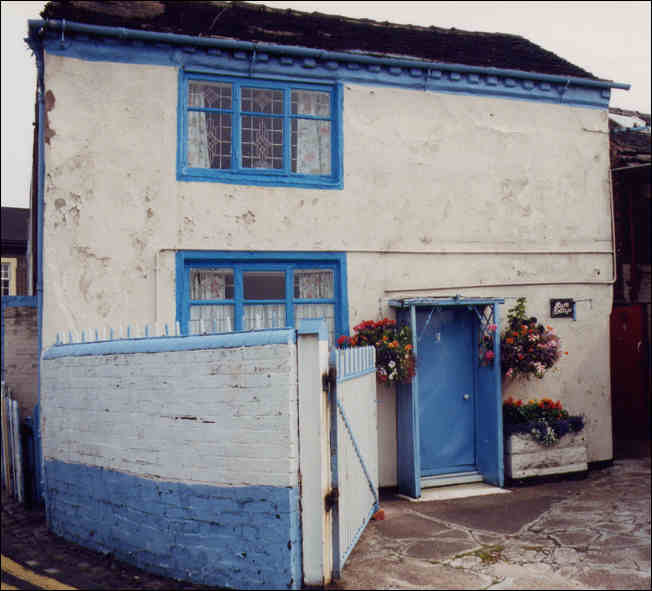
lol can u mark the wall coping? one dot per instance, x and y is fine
(255, 338)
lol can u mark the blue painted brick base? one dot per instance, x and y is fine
(243, 537)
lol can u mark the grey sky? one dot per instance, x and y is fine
(609, 39)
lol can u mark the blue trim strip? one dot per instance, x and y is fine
(126, 45)
(498, 385)
(256, 338)
(19, 301)
(416, 423)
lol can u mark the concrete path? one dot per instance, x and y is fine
(592, 533)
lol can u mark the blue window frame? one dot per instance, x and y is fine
(259, 132)
(232, 291)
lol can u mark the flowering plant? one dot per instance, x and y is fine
(395, 360)
(527, 348)
(486, 345)
(544, 420)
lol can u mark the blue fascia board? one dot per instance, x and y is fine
(256, 338)
(97, 43)
(19, 301)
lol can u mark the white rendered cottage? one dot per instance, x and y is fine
(230, 167)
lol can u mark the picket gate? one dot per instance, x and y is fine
(354, 445)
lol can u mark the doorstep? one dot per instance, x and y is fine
(456, 491)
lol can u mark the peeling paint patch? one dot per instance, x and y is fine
(49, 105)
(248, 218)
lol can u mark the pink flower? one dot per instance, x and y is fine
(492, 328)
(489, 355)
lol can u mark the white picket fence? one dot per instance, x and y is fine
(12, 451)
(130, 331)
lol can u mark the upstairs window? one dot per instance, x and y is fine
(259, 132)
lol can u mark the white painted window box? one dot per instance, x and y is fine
(525, 458)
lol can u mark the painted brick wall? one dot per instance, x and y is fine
(184, 462)
(20, 355)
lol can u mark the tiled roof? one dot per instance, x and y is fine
(257, 23)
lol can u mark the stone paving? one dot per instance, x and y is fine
(592, 533)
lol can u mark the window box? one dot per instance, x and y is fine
(525, 457)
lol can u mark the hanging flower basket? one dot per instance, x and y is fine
(395, 361)
(527, 348)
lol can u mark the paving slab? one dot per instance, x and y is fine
(591, 533)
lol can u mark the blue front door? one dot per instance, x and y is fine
(445, 367)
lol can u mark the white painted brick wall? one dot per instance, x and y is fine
(126, 413)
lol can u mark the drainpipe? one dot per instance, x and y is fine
(37, 47)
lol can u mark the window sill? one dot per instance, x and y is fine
(261, 180)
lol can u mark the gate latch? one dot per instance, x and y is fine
(330, 500)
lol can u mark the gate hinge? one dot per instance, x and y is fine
(328, 379)
(331, 499)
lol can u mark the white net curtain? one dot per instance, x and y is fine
(208, 285)
(209, 133)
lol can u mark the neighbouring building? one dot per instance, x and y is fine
(15, 234)
(631, 323)
(20, 351)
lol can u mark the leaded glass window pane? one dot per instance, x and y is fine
(262, 142)
(312, 284)
(309, 102)
(261, 100)
(209, 140)
(211, 284)
(212, 95)
(311, 146)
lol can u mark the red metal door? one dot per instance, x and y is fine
(630, 388)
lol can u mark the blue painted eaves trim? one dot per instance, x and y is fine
(283, 336)
(19, 301)
(134, 46)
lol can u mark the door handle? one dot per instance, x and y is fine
(466, 396)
